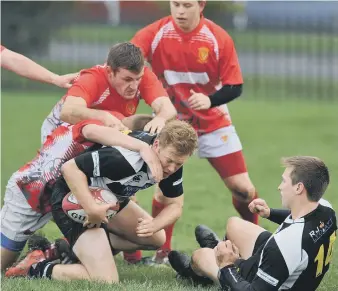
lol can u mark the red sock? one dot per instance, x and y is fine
(157, 207)
(132, 257)
(243, 210)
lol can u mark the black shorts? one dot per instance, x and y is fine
(248, 268)
(69, 228)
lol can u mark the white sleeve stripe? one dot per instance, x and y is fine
(267, 278)
(96, 162)
(232, 275)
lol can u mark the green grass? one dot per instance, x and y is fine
(252, 41)
(268, 130)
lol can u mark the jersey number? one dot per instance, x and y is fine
(320, 256)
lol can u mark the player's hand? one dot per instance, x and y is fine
(145, 227)
(64, 81)
(97, 214)
(199, 101)
(155, 125)
(112, 121)
(260, 207)
(153, 162)
(226, 253)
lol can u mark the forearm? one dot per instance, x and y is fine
(226, 94)
(112, 137)
(164, 108)
(78, 184)
(75, 114)
(25, 67)
(278, 215)
(170, 214)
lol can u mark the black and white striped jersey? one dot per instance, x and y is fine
(124, 172)
(296, 256)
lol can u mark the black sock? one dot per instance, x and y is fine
(47, 270)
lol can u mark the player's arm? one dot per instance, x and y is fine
(25, 67)
(229, 72)
(278, 215)
(153, 93)
(172, 189)
(96, 132)
(105, 162)
(82, 95)
(272, 273)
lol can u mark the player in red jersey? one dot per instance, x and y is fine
(118, 86)
(25, 67)
(197, 62)
(26, 203)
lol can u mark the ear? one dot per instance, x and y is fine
(156, 144)
(109, 70)
(300, 188)
(202, 5)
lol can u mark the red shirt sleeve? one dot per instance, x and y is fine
(144, 38)
(77, 129)
(150, 87)
(229, 68)
(86, 87)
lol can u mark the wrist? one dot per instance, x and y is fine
(53, 79)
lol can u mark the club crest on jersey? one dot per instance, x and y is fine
(203, 54)
(130, 108)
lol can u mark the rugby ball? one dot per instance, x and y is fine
(74, 210)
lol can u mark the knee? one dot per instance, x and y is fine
(159, 239)
(197, 256)
(243, 193)
(233, 225)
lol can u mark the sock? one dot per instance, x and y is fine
(243, 210)
(133, 257)
(42, 269)
(48, 270)
(157, 207)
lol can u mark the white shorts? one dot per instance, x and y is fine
(18, 219)
(221, 142)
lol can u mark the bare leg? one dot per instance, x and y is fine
(94, 252)
(204, 263)
(8, 258)
(70, 272)
(243, 234)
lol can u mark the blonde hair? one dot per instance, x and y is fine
(311, 171)
(180, 135)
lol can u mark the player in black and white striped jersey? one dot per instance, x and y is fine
(295, 257)
(124, 173)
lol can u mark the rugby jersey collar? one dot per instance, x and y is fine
(187, 35)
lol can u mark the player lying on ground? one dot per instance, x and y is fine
(26, 203)
(25, 67)
(295, 257)
(117, 86)
(124, 173)
(196, 61)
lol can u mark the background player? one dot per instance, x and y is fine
(25, 67)
(26, 203)
(117, 86)
(295, 257)
(124, 173)
(197, 62)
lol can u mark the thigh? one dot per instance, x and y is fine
(18, 219)
(221, 142)
(243, 234)
(125, 222)
(93, 250)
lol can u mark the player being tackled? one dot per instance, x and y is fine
(251, 258)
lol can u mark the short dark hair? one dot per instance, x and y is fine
(127, 56)
(310, 171)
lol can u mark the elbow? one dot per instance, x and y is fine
(171, 111)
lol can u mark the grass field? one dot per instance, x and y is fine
(268, 130)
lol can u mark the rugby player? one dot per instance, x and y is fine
(197, 63)
(27, 68)
(118, 86)
(124, 173)
(26, 203)
(295, 257)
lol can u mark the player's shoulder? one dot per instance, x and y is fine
(219, 33)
